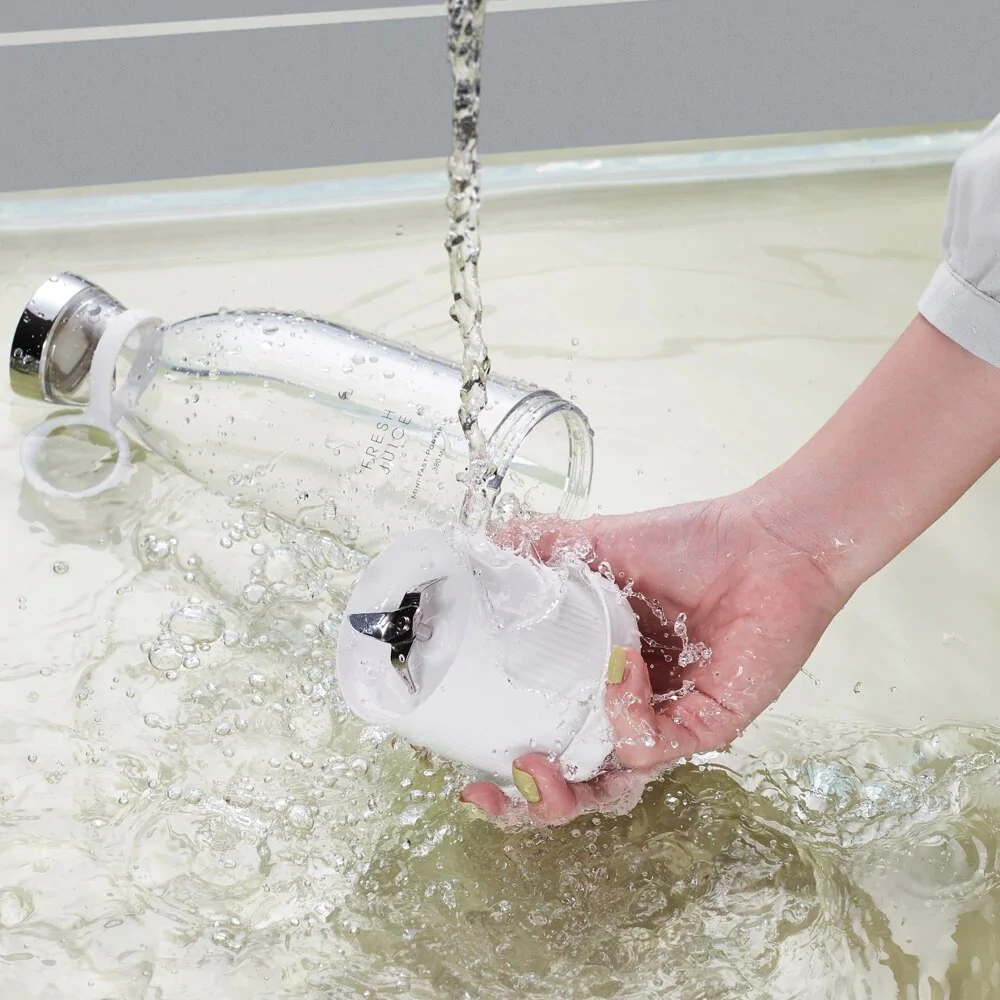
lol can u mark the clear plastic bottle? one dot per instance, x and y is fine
(328, 427)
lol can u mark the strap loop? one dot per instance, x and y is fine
(106, 406)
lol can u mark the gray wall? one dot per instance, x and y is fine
(79, 109)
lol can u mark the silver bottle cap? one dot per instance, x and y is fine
(55, 338)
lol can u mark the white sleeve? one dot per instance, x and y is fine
(963, 298)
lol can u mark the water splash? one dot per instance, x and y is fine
(238, 816)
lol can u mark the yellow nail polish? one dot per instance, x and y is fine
(526, 785)
(616, 665)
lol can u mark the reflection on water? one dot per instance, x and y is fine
(205, 819)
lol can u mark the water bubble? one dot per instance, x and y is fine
(165, 655)
(857, 688)
(254, 593)
(223, 729)
(199, 621)
(226, 542)
(153, 549)
(193, 795)
(59, 567)
(32, 758)
(191, 662)
(258, 680)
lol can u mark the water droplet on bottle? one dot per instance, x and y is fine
(59, 567)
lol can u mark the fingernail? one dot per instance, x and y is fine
(616, 665)
(526, 785)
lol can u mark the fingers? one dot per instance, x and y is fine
(486, 797)
(696, 723)
(647, 736)
(547, 798)
(628, 702)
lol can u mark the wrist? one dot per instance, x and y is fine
(785, 508)
(914, 436)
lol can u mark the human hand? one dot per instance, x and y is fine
(719, 571)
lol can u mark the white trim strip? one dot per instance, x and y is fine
(36, 213)
(62, 36)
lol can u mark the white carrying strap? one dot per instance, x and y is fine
(106, 407)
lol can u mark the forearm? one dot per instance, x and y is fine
(914, 436)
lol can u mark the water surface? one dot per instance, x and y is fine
(186, 810)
